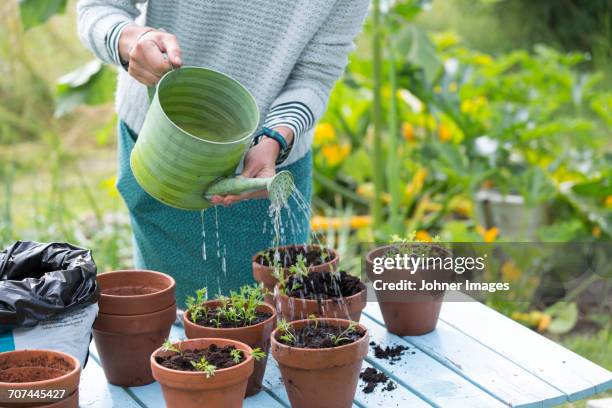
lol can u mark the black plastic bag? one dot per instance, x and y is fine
(40, 281)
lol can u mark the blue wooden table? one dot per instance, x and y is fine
(475, 358)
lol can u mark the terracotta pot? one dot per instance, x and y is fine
(254, 336)
(408, 313)
(350, 307)
(41, 365)
(135, 292)
(187, 389)
(264, 274)
(320, 378)
(125, 344)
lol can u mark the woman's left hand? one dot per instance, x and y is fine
(260, 162)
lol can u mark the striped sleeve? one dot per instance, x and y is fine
(112, 43)
(295, 115)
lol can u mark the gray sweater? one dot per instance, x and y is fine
(288, 53)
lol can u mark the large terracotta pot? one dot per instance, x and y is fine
(40, 370)
(254, 336)
(137, 309)
(350, 307)
(408, 314)
(265, 274)
(188, 389)
(320, 378)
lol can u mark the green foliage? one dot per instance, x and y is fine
(240, 307)
(36, 12)
(287, 335)
(195, 305)
(342, 337)
(258, 353)
(91, 84)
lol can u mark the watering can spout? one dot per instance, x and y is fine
(280, 187)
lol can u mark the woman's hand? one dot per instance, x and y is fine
(144, 48)
(260, 162)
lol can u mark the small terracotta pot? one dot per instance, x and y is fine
(187, 389)
(291, 308)
(135, 292)
(254, 336)
(125, 344)
(40, 364)
(320, 378)
(408, 314)
(265, 274)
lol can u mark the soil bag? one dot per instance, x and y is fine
(48, 298)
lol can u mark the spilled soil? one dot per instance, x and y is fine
(393, 353)
(220, 357)
(372, 377)
(323, 286)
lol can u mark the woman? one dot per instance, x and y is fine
(288, 53)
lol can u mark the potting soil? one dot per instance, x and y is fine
(323, 285)
(220, 357)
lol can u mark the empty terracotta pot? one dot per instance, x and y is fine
(408, 313)
(135, 292)
(350, 307)
(53, 371)
(188, 389)
(265, 274)
(320, 378)
(137, 309)
(254, 336)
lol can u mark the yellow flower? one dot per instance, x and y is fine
(408, 131)
(452, 87)
(423, 236)
(335, 153)
(324, 134)
(416, 184)
(461, 206)
(473, 105)
(321, 223)
(444, 133)
(596, 231)
(544, 323)
(108, 185)
(608, 202)
(488, 235)
(510, 271)
(437, 89)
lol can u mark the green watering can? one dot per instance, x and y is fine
(196, 131)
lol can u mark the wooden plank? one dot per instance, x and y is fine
(572, 374)
(481, 366)
(95, 392)
(426, 377)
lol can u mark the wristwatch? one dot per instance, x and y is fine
(285, 149)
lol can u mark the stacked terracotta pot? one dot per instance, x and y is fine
(137, 309)
(54, 373)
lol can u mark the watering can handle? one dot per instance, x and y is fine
(152, 89)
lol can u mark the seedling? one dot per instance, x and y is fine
(314, 320)
(204, 366)
(338, 339)
(240, 307)
(169, 346)
(287, 335)
(236, 355)
(194, 305)
(258, 353)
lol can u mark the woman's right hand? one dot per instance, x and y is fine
(144, 48)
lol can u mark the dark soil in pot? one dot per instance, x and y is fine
(322, 294)
(220, 321)
(322, 335)
(220, 357)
